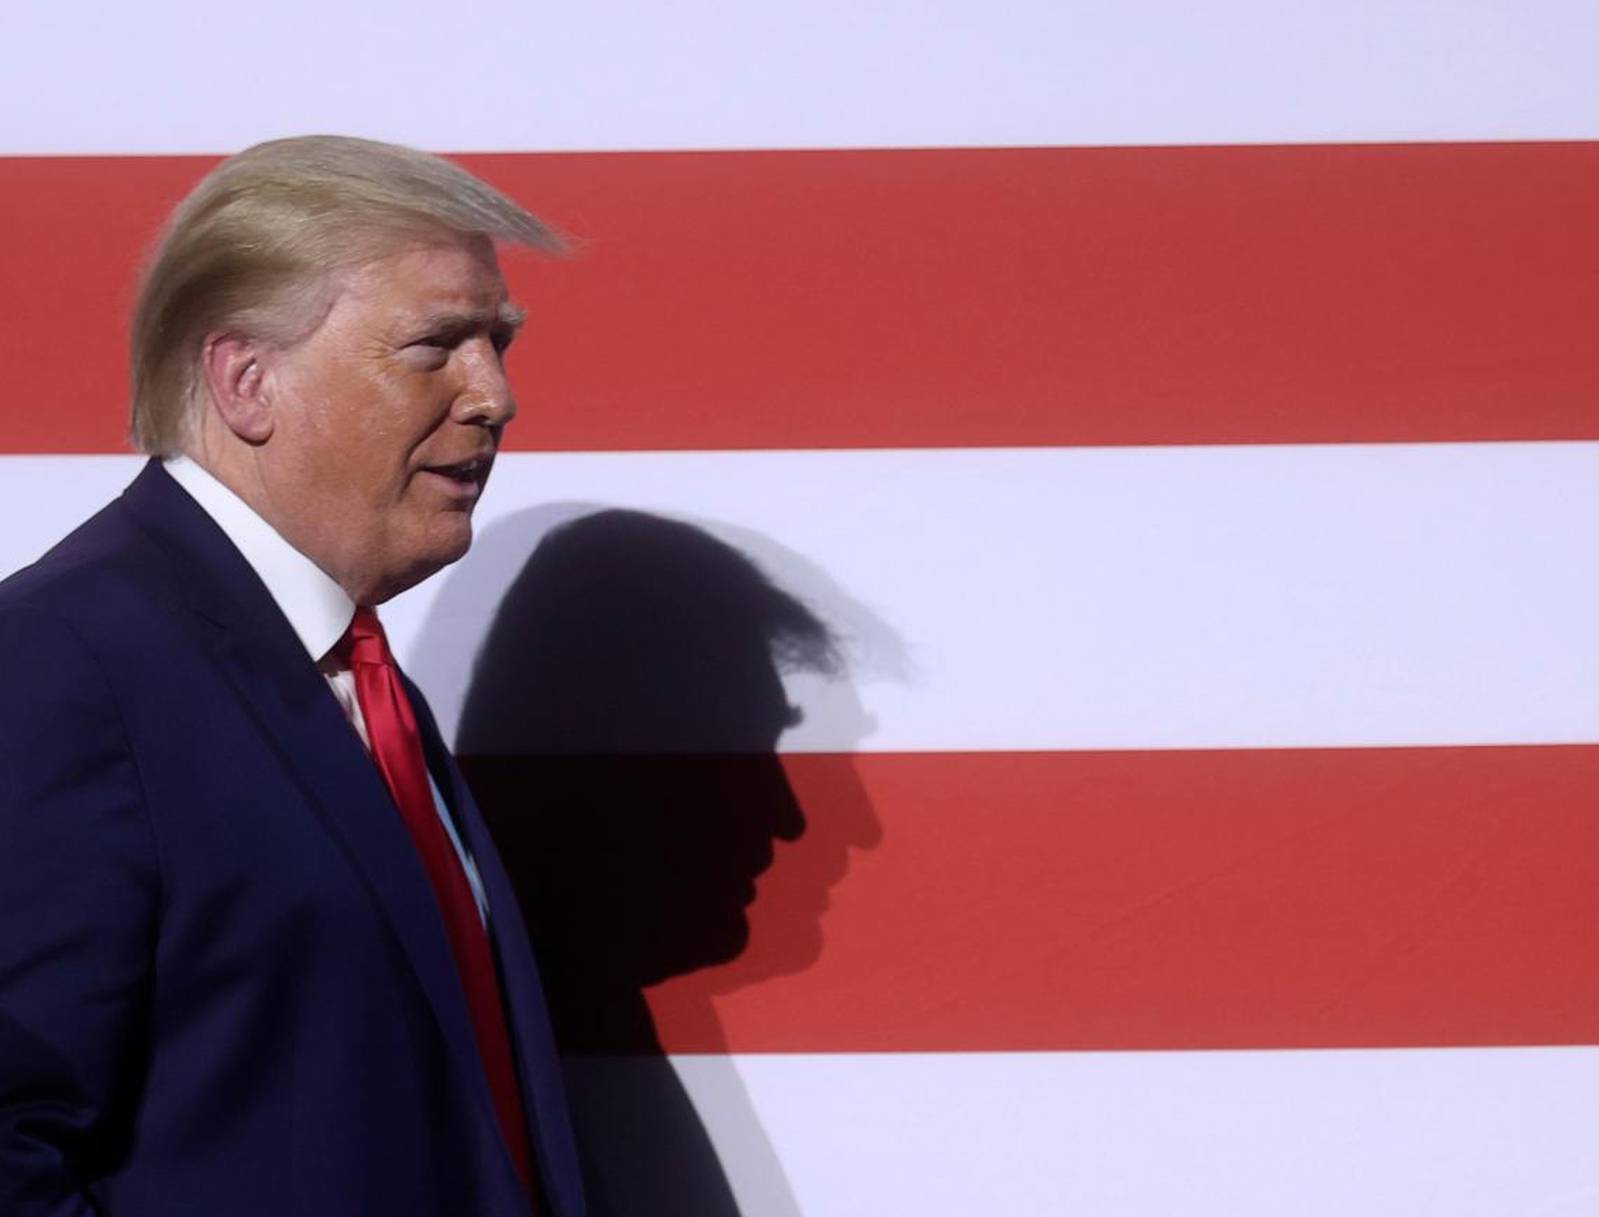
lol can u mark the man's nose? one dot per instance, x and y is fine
(485, 396)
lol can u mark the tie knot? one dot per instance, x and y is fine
(364, 641)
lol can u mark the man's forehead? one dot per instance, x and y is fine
(456, 278)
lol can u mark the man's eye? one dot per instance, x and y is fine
(428, 353)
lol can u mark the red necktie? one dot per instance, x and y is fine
(397, 749)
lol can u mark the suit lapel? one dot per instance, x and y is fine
(538, 1063)
(289, 700)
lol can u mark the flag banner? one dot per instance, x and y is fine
(1031, 649)
(947, 297)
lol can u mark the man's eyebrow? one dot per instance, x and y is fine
(507, 316)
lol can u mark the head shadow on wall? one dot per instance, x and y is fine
(620, 731)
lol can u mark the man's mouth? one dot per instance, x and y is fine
(467, 473)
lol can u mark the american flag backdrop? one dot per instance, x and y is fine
(1183, 415)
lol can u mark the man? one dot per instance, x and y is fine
(257, 953)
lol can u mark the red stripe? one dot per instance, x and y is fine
(949, 297)
(1131, 900)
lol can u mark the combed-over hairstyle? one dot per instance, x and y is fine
(250, 249)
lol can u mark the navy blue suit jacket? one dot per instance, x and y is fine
(225, 987)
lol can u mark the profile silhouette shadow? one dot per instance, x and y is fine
(620, 732)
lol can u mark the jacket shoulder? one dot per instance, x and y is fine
(95, 577)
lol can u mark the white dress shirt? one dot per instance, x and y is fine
(318, 610)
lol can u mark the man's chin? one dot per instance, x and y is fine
(455, 546)
(445, 546)
(451, 545)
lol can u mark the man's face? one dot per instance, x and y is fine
(387, 416)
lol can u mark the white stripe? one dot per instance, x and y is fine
(699, 74)
(1122, 598)
(1426, 1133)
(1227, 597)
(42, 498)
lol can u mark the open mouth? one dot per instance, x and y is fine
(466, 473)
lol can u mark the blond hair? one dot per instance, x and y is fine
(251, 248)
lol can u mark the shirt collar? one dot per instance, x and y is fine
(317, 608)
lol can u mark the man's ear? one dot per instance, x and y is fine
(232, 367)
